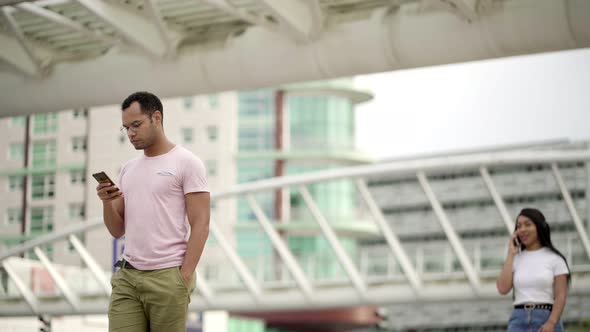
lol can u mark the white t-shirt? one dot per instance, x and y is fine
(534, 273)
(154, 190)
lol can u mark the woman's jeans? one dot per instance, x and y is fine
(527, 320)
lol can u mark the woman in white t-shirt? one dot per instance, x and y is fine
(538, 273)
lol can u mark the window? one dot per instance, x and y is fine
(41, 220)
(78, 177)
(43, 186)
(78, 144)
(213, 101)
(77, 211)
(212, 133)
(44, 123)
(18, 121)
(211, 166)
(187, 135)
(14, 216)
(44, 153)
(15, 183)
(188, 103)
(16, 152)
(80, 113)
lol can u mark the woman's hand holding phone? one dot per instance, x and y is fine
(514, 244)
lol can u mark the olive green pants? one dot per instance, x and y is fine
(155, 301)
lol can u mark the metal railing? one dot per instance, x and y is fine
(390, 272)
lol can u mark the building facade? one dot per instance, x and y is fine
(64, 150)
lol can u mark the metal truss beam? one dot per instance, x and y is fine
(465, 9)
(341, 255)
(59, 280)
(96, 270)
(451, 234)
(301, 19)
(391, 238)
(30, 298)
(204, 289)
(135, 28)
(54, 17)
(410, 167)
(237, 262)
(251, 18)
(18, 52)
(567, 197)
(165, 34)
(485, 174)
(282, 249)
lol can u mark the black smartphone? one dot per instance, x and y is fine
(102, 177)
(516, 243)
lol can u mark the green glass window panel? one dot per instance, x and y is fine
(320, 122)
(78, 144)
(43, 186)
(18, 121)
(41, 220)
(212, 133)
(211, 166)
(256, 120)
(17, 151)
(245, 325)
(256, 138)
(77, 211)
(14, 216)
(187, 135)
(80, 113)
(45, 123)
(213, 101)
(44, 153)
(258, 103)
(188, 103)
(78, 177)
(15, 183)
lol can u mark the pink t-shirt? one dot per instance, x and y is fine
(156, 225)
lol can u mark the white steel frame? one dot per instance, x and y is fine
(304, 293)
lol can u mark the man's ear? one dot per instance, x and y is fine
(157, 117)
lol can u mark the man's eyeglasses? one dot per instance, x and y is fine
(134, 127)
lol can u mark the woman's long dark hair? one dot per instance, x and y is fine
(543, 233)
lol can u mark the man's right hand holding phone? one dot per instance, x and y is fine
(113, 208)
(107, 191)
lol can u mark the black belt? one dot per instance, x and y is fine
(124, 265)
(532, 306)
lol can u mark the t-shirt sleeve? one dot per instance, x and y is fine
(120, 177)
(559, 267)
(194, 176)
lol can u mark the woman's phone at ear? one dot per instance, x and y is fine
(516, 243)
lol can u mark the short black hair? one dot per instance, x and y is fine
(148, 103)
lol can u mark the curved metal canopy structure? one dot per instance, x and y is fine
(61, 54)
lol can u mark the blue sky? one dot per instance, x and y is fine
(477, 104)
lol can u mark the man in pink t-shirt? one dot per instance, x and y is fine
(161, 205)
